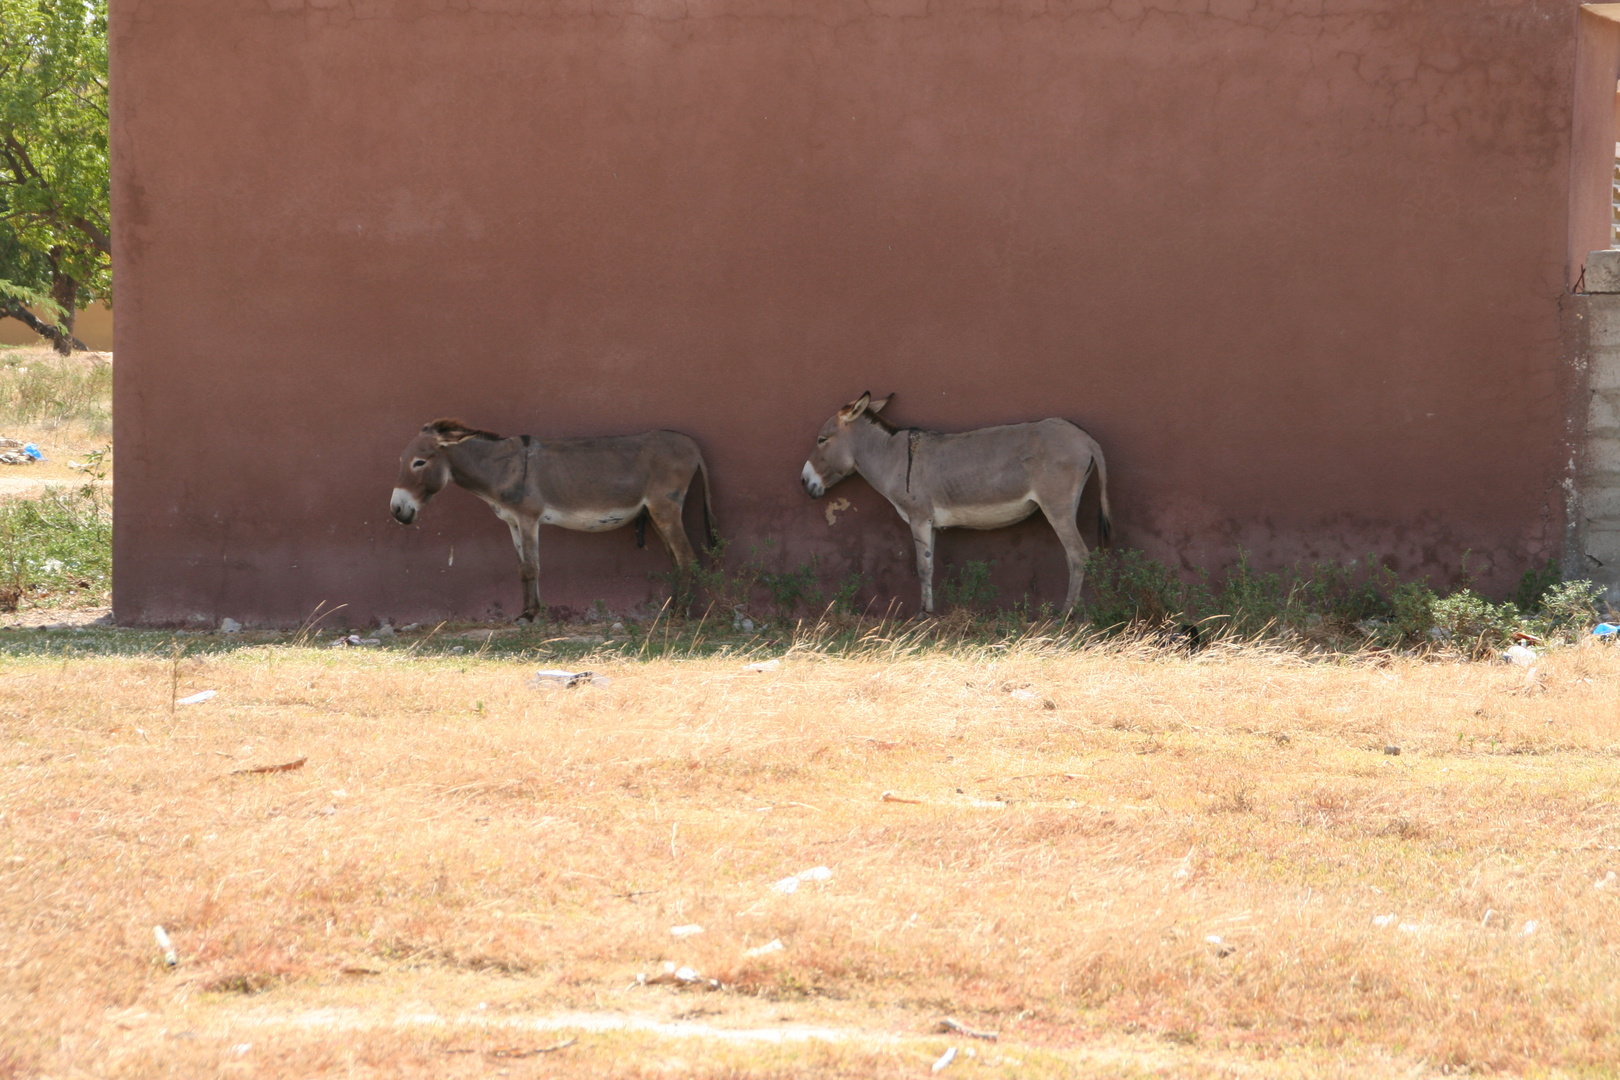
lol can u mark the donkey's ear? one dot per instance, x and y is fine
(855, 408)
(877, 406)
(451, 432)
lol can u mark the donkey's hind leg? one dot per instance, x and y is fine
(666, 518)
(1061, 517)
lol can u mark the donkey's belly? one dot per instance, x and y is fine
(588, 520)
(986, 516)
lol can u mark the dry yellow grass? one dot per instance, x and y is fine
(467, 868)
(62, 404)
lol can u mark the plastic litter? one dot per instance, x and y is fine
(790, 885)
(1530, 927)
(197, 698)
(170, 957)
(944, 1059)
(559, 677)
(672, 975)
(765, 665)
(229, 626)
(1382, 921)
(688, 930)
(1518, 654)
(1604, 629)
(774, 945)
(32, 451)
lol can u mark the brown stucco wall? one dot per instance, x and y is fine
(1297, 265)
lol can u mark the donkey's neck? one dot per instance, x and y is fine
(481, 465)
(880, 456)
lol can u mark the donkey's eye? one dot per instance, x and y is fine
(821, 440)
(418, 463)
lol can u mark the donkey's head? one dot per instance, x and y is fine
(834, 456)
(423, 468)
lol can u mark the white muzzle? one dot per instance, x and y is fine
(404, 506)
(812, 482)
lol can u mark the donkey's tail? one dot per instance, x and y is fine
(711, 534)
(1105, 521)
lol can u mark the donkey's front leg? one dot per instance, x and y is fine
(922, 535)
(527, 533)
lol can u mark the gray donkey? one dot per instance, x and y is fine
(982, 479)
(592, 485)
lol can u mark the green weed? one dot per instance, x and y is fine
(56, 550)
(969, 585)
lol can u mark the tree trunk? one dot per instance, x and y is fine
(65, 291)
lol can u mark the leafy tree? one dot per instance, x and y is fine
(55, 227)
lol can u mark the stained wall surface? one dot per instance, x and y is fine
(1297, 264)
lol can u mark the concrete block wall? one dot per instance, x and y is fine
(1598, 479)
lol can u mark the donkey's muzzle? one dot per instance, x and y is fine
(812, 482)
(404, 506)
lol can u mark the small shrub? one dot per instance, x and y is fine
(969, 585)
(1567, 609)
(1534, 585)
(1474, 623)
(1131, 589)
(1411, 610)
(843, 600)
(1340, 593)
(792, 589)
(1249, 601)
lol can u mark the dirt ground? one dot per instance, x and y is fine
(1121, 861)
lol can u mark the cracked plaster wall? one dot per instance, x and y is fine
(1297, 265)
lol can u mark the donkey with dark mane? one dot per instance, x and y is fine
(591, 485)
(982, 479)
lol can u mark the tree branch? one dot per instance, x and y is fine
(98, 236)
(20, 161)
(14, 310)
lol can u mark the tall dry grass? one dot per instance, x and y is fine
(1084, 823)
(43, 392)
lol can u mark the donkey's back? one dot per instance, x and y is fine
(611, 471)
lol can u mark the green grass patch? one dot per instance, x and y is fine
(56, 550)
